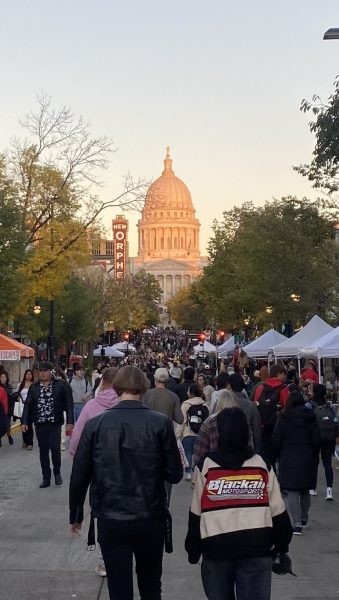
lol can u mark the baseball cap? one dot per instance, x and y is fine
(161, 375)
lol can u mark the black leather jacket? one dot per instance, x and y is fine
(63, 402)
(126, 453)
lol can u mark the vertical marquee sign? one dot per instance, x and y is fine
(120, 231)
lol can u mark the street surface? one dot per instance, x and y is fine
(39, 560)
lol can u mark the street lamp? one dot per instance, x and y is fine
(332, 34)
(37, 308)
(269, 309)
(295, 297)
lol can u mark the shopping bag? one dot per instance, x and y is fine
(18, 409)
(184, 460)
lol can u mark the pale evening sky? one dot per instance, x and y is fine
(220, 82)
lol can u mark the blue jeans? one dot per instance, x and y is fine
(77, 406)
(240, 579)
(188, 444)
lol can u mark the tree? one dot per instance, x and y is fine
(186, 310)
(268, 257)
(134, 301)
(323, 170)
(12, 246)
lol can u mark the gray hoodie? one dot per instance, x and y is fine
(81, 390)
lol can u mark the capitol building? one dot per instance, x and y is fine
(168, 234)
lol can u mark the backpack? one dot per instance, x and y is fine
(268, 405)
(3, 421)
(196, 415)
(327, 421)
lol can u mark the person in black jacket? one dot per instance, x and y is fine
(296, 439)
(127, 453)
(182, 389)
(46, 402)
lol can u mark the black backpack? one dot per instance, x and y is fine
(3, 421)
(327, 421)
(196, 415)
(268, 405)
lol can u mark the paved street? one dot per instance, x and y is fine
(39, 560)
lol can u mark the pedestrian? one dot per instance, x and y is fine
(182, 390)
(81, 390)
(237, 385)
(237, 519)
(175, 372)
(206, 388)
(21, 393)
(195, 412)
(310, 374)
(296, 440)
(128, 452)
(221, 383)
(328, 425)
(105, 399)
(3, 413)
(4, 383)
(45, 404)
(270, 397)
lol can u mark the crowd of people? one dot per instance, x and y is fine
(248, 438)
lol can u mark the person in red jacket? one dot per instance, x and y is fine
(4, 402)
(311, 372)
(270, 397)
(276, 379)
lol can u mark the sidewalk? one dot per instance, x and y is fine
(39, 560)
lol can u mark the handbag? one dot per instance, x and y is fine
(182, 453)
(18, 408)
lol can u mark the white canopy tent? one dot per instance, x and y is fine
(326, 346)
(227, 347)
(306, 337)
(110, 351)
(124, 346)
(204, 347)
(262, 346)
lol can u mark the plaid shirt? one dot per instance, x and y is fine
(206, 440)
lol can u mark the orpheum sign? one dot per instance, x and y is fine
(120, 231)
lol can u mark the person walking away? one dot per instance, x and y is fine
(237, 532)
(21, 392)
(310, 374)
(127, 452)
(166, 402)
(296, 439)
(81, 390)
(328, 425)
(45, 405)
(237, 385)
(208, 436)
(4, 383)
(175, 372)
(3, 413)
(105, 399)
(195, 412)
(60, 374)
(221, 383)
(182, 390)
(270, 397)
(206, 388)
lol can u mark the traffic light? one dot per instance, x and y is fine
(202, 338)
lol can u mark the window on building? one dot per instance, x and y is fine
(109, 247)
(162, 243)
(161, 214)
(175, 243)
(96, 248)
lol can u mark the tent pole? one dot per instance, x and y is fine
(299, 369)
(319, 370)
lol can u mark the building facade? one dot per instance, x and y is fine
(168, 234)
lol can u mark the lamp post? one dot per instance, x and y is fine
(37, 308)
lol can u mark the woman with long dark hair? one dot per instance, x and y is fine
(296, 439)
(237, 520)
(195, 411)
(24, 385)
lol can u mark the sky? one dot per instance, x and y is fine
(220, 82)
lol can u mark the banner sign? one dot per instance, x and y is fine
(9, 354)
(120, 230)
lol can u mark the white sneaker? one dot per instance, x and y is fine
(313, 493)
(188, 476)
(329, 496)
(100, 569)
(62, 447)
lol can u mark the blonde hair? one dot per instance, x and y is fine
(227, 399)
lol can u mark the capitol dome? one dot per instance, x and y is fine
(168, 191)
(168, 227)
